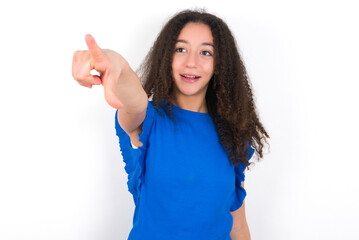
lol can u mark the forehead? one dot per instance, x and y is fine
(196, 33)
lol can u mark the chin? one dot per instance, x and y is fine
(189, 92)
(191, 89)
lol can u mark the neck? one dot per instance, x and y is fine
(191, 103)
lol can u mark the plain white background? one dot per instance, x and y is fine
(61, 171)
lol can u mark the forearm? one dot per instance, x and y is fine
(130, 92)
(241, 234)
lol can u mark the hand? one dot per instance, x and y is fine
(107, 62)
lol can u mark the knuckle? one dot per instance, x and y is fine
(75, 75)
(75, 56)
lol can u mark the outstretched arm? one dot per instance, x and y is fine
(122, 87)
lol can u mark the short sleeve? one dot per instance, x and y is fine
(240, 192)
(134, 158)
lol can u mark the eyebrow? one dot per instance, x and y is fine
(205, 43)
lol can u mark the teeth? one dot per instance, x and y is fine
(192, 77)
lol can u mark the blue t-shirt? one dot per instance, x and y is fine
(182, 182)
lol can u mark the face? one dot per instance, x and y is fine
(193, 60)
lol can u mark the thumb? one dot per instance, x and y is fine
(95, 51)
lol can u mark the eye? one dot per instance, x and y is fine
(206, 53)
(180, 50)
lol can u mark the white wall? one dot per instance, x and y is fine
(61, 171)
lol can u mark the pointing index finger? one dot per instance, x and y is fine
(95, 51)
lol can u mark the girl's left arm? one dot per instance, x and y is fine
(240, 229)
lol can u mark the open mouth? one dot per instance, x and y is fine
(190, 77)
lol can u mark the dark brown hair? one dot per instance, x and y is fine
(229, 95)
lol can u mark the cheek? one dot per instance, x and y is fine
(209, 68)
(174, 70)
(174, 65)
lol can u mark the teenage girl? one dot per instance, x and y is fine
(186, 150)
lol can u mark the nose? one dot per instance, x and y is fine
(192, 60)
